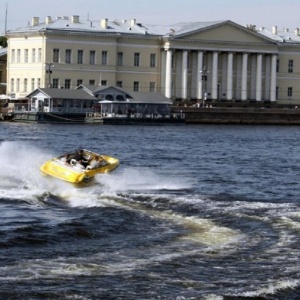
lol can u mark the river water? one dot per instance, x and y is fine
(193, 212)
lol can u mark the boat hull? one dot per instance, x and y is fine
(64, 171)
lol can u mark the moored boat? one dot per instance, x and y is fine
(80, 166)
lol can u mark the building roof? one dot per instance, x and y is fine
(73, 24)
(3, 51)
(63, 94)
(83, 94)
(132, 27)
(281, 35)
(132, 97)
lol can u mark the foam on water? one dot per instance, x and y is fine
(140, 179)
(20, 176)
(272, 288)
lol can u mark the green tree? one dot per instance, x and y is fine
(3, 41)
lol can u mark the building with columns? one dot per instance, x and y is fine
(212, 61)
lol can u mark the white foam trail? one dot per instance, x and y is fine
(139, 180)
(273, 288)
(20, 176)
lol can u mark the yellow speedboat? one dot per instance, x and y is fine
(72, 169)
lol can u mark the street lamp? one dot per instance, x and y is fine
(204, 74)
(48, 68)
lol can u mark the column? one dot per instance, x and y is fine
(238, 76)
(199, 75)
(268, 77)
(258, 86)
(214, 88)
(177, 57)
(273, 77)
(253, 60)
(168, 83)
(184, 75)
(229, 76)
(244, 76)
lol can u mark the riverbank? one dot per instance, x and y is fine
(239, 115)
(185, 115)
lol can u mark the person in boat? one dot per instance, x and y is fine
(66, 158)
(78, 157)
(80, 164)
(95, 162)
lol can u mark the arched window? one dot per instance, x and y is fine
(109, 97)
(120, 98)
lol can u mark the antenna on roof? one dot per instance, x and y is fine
(5, 26)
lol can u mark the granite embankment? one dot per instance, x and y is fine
(239, 115)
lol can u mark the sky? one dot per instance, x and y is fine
(262, 13)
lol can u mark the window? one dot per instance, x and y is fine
(40, 55)
(56, 55)
(136, 86)
(33, 55)
(18, 85)
(109, 97)
(120, 59)
(32, 84)
(92, 57)
(26, 55)
(79, 82)
(103, 82)
(12, 83)
(152, 87)
(291, 66)
(25, 84)
(152, 60)
(80, 57)
(290, 92)
(55, 83)
(13, 55)
(67, 83)
(119, 83)
(91, 82)
(277, 65)
(18, 55)
(136, 59)
(39, 82)
(104, 58)
(120, 98)
(68, 56)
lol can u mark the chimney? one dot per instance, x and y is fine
(274, 29)
(35, 21)
(104, 23)
(48, 20)
(132, 22)
(75, 19)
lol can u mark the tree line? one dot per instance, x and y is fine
(3, 41)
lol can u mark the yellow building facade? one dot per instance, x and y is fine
(212, 61)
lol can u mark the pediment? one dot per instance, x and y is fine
(224, 32)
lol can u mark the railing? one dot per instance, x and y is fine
(21, 107)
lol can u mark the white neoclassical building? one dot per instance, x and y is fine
(215, 61)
